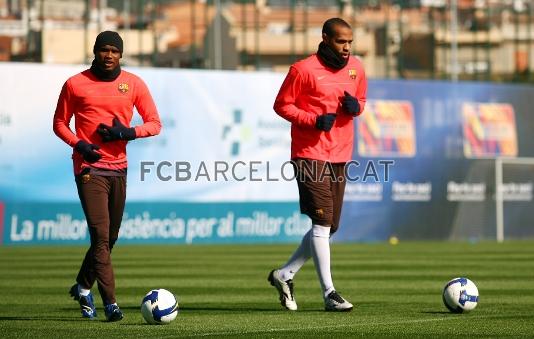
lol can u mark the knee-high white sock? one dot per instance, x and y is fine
(83, 291)
(320, 248)
(298, 259)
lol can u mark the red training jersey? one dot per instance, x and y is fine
(311, 89)
(92, 102)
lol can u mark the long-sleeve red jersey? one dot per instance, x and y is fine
(92, 101)
(311, 89)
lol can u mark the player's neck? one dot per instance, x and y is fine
(330, 58)
(103, 74)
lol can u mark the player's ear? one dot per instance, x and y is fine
(325, 38)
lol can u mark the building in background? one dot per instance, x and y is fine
(439, 39)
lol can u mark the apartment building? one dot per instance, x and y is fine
(476, 39)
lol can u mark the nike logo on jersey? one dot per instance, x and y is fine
(321, 77)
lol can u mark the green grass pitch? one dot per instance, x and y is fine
(223, 292)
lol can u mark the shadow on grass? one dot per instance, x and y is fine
(438, 312)
(231, 309)
(142, 324)
(26, 318)
(217, 309)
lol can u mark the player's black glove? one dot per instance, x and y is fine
(87, 150)
(325, 122)
(116, 132)
(350, 104)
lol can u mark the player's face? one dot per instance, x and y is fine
(341, 41)
(107, 57)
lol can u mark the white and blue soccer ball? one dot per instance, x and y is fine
(159, 307)
(460, 295)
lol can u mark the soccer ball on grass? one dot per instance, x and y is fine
(159, 307)
(460, 295)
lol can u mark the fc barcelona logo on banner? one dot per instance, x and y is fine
(352, 74)
(123, 88)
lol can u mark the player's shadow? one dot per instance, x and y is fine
(40, 318)
(223, 309)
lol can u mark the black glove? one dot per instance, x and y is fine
(116, 132)
(325, 122)
(87, 150)
(350, 104)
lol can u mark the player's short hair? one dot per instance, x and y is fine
(328, 26)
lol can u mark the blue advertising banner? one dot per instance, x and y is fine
(182, 223)
(219, 171)
(437, 192)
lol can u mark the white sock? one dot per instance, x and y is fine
(320, 248)
(298, 259)
(83, 291)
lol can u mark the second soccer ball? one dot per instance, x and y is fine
(159, 307)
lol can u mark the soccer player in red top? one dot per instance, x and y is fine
(320, 96)
(102, 99)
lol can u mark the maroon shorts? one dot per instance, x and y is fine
(321, 189)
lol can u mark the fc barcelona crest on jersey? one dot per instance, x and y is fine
(352, 74)
(123, 88)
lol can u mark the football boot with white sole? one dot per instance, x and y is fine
(285, 290)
